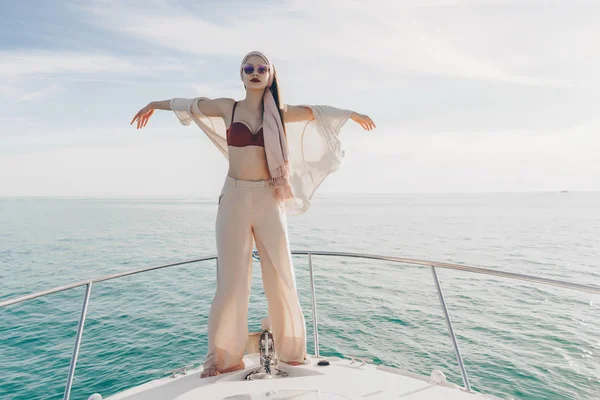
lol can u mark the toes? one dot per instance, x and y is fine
(208, 373)
(293, 363)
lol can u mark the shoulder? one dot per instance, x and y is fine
(297, 113)
(217, 107)
(224, 101)
(225, 104)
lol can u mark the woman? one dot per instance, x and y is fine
(278, 156)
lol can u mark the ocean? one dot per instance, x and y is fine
(519, 340)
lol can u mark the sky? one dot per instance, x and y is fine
(468, 96)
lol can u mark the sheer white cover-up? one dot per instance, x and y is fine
(315, 149)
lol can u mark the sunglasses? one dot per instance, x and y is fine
(261, 69)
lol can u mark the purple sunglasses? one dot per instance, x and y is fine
(249, 69)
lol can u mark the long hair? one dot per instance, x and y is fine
(277, 96)
(274, 88)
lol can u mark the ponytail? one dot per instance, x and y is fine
(277, 96)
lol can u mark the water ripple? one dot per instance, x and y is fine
(518, 340)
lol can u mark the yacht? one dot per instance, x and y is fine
(320, 377)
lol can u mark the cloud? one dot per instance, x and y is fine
(16, 64)
(226, 88)
(19, 68)
(392, 38)
(451, 84)
(41, 93)
(7, 90)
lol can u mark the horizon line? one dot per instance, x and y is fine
(183, 196)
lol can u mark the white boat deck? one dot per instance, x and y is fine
(342, 379)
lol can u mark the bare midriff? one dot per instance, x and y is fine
(248, 163)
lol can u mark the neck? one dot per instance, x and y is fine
(253, 100)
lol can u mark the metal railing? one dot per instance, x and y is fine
(432, 264)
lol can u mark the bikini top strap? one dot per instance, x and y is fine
(233, 111)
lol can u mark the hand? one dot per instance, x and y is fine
(363, 120)
(143, 116)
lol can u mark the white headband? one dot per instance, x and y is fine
(261, 55)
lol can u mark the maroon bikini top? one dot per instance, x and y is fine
(239, 135)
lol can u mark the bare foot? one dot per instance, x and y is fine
(294, 363)
(236, 368)
(213, 371)
(208, 372)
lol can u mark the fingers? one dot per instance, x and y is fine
(146, 118)
(135, 117)
(138, 118)
(367, 123)
(141, 118)
(364, 121)
(372, 123)
(140, 122)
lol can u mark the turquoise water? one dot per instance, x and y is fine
(518, 340)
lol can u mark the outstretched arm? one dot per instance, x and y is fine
(297, 113)
(301, 113)
(210, 108)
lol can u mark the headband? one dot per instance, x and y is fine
(261, 55)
